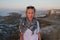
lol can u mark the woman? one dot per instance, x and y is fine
(29, 26)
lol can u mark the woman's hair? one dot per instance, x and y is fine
(30, 7)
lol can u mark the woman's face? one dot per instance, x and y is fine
(30, 14)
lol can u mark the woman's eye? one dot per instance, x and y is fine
(29, 13)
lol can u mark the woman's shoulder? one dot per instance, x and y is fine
(22, 18)
(36, 19)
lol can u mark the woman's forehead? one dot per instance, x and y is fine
(30, 10)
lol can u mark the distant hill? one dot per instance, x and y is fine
(4, 12)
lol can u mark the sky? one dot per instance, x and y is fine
(22, 4)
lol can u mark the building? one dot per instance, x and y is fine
(55, 11)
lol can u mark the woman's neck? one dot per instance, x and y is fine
(30, 20)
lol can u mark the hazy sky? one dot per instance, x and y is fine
(21, 4)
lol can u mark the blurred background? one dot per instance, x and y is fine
(47, 13)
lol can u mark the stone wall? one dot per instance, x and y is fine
(51, 33)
